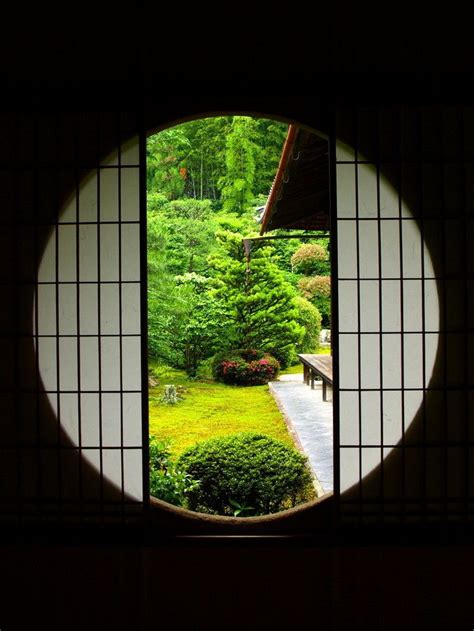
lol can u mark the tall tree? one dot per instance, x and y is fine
(261, 304)
(237, 185)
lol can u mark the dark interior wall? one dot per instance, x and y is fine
(250, 585)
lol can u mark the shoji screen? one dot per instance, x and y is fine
(404, 221)
(72, 396)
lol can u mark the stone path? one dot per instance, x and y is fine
(311, 419)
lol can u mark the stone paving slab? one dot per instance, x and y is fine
(311, 419)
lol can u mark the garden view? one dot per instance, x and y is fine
(222, 324)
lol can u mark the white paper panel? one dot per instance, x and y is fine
(368, 249)
(67, 309)
(90, 419)
(68, 363)
(367, 190)
(100, 205)
(391, 305)
(348, 301)
(369, 300)
(371, 418)
(88, 316)
(88, 267)
(132, 355)
(347, 249)
(346, 191)
(349, 411)
(111, 435)
(130, 254)
(46, 296)
(392, 416)
(89, 363)
(369, 360)
(131, 316)
(109, 252)
(109, 195)
(348, 361)
(87, 199)
(130, 180)
(133, 473)
(67, 270)
(132, 427)
(109, 309)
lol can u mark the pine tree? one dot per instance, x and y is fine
(261, 303)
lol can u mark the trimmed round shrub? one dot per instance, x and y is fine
(307, 257)
(317, 289)
(246, 474)
(247, 367)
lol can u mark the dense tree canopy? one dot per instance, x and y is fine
(205, 179)
(261, 302)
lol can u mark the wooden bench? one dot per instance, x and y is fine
(315, 366)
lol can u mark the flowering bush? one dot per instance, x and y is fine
(247, 367)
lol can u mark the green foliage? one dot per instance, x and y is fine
(205, 178)
(206, 328)
(317, 289)
(187, 228)
(185, 320)
(202, 158)
(308, 258)
(168, 482)
(165, 310)
(237, 185)
(261, 304)
(246, 472)
(164, 159)
(245, 367)
(310, 319)
(159, 453)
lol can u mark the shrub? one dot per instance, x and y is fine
(311, 286)
(167, 481)
(170, 395)
(310, 318)
(285, 355)
(246, 473)
(247, 367)
(204, 370)
(308, 258)
(317, 289)
(159, 453)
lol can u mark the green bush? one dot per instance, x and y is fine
(285, 355)
(309, 318)
(204, 370)
(247, 367)
(246, 474)
(309, 258)
(317, 289)
(167, 481)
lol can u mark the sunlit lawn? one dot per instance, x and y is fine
(211, 409)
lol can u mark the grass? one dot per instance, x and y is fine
(211, 409)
